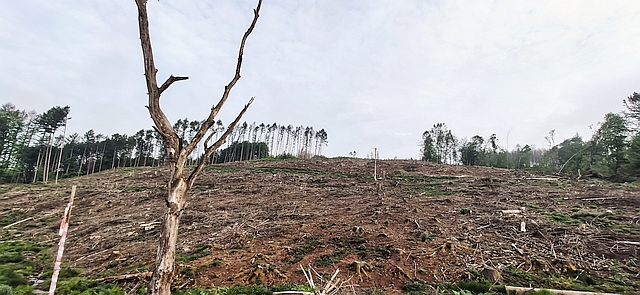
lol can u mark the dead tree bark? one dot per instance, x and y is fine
(179, 185)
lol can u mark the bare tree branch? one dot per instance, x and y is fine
(210, 150)
(206, 141)
(170, 81)
(160, 120)
(225, 95)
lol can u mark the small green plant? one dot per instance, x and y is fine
(11, 216)
(187, 272)
(474, 286)
(284, 156)
(425, 236)
(113, 264)
(200, 251)
(216, 263)
(75, 286)
(20, 259)
(66, 273)
(6, 290)
(326, 260)
(562, 218)
(465, 211)
(415, 286)
(291, 287)
(372, 292)
(301, 251)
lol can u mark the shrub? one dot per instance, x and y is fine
(6, 290)
(9, 277)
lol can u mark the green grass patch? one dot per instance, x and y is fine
(301, 251)
(562, 218)
(326, 260)
(275, 170)
(277, 158)
(10, 216)
(22, 259)
(431, 190)
(419, 178)
(84, 286)
(424, 184)
(415, 287)
(223, 169)
(199, 252)
(568, 281)
(355, 245)
(595, 219)
(5, 188)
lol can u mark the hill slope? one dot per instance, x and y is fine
(250, 222)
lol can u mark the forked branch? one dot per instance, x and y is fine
(209, 150)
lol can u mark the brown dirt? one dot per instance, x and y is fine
(259, 221)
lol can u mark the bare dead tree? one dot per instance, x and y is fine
(179, 185)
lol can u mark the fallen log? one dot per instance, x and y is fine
(17, 222)
(599, 199)
(564, 292)
(511, 211)
(628, 243)
(140, 275)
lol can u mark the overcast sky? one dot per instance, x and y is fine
(371, 73)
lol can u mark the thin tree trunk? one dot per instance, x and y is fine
(64, 134)
(84, 157)
(113, 160)
(59, 161)
(69, 164)
(35, 172)
(102, 157)
(47, 163)
(144, 161)
(93, 167)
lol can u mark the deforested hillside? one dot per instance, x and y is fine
(415, 225)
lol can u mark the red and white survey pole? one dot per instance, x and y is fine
(64, 227)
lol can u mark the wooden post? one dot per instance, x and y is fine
(64, 227)
(375, 164)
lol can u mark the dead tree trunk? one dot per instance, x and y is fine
(178, 154)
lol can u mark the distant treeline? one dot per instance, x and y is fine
(612, 151)
(36, 147)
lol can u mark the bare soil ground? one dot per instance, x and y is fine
(257, 222)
